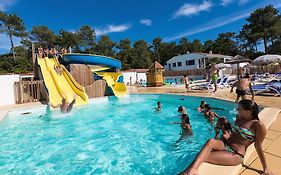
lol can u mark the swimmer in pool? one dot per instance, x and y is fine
(159, 106)
(64, 106)
(202, 106)
(185, 123)
(209, 114)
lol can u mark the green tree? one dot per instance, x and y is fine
(261, 23)
(69, 39)
(196, 46)
(155, 49)
(124, 53)
(12, 25)
(141, 56)
(105, 46)
(184, 46)
(226, 44)
(87, 37)
(43, 36)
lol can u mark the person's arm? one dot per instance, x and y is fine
(174, 123)
(260, 135)
(216, 115)
(251, 90)
(234, 84)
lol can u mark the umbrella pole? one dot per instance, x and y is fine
(238, 71)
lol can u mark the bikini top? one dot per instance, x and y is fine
(245, 133)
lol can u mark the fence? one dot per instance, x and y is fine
(28, 91)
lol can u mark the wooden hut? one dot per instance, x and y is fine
(155, 75)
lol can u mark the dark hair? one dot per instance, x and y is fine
(223, 122)
(180, 109)
(202, 102)
(208, 107)
(250, 106)
(158, 103)
(247, 75)
(184, 75)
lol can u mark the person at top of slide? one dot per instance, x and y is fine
(214, 75)
(242, 86)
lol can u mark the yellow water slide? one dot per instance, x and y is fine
(111, 78)
(62, 84)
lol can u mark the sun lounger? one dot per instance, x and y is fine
(273, 86)
(208, 85)
(224, 82)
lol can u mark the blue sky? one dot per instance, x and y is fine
(138, 19)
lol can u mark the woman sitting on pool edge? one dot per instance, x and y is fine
(248, 129)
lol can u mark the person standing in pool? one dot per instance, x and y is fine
(242, 86)
(186, 82)
(185, 123)
(214, 75)
(209, 114)
(230, 151)
(159, 107)
(202, 106)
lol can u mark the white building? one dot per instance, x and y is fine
(192, 61)
(134, 76)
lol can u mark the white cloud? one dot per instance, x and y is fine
(147, 22)
(219, 22)
(192, 9)
(243, 1)
(112, 29)
(227, 2)
(6, 4)
(5, 44)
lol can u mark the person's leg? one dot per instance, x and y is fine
(224, 158)
(243, 97)
(216, 86)
(69, 108)
(237, 98)
(211, 145)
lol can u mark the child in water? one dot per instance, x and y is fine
(158, 108)
(202, 106)
(209, 114)
(185, 123)
(224, 126)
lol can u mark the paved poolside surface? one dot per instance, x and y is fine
(271, 144)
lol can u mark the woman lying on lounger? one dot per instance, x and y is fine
(231, 149)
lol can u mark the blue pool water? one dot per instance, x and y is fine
(117, 136)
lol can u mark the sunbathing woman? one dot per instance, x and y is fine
(248, 129)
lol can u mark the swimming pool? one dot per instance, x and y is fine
(109, 136)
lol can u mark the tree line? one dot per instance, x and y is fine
(263, 28)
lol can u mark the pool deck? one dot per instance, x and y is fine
(270, 116)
